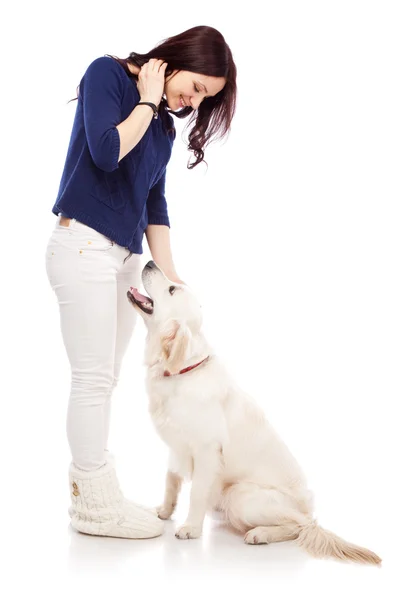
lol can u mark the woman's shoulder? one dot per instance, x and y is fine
(103, 62)
(107, 69)
(106, 64)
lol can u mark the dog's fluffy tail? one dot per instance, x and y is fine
(322, 543)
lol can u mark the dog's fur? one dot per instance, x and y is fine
(219, 438)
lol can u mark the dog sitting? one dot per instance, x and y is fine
(218, 436)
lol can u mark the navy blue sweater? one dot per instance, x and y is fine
(118, 199)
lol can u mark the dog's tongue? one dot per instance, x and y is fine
(138, 296)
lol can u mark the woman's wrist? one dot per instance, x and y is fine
(173, 276)
(144, 99)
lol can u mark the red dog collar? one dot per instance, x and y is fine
(168, 374)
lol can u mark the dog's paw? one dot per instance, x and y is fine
(164, 512)
(188, 532)
(258, 535)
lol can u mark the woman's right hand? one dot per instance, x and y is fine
(151, 81)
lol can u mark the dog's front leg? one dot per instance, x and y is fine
(206, 467)
(173, 485)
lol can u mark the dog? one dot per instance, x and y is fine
(218, 437)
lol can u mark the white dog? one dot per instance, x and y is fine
(218, 437)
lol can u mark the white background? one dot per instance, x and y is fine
(290, 239)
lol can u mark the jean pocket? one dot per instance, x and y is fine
(81, 239)
(95, 244)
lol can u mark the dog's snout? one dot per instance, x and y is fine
(151, 265)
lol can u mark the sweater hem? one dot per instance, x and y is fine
(115, 148)
(158, 220)
(133, 245)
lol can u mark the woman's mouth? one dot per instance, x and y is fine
(182, 102)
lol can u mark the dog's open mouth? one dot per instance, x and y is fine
(145, 303)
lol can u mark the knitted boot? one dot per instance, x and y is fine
(101, 509)
(111, 459)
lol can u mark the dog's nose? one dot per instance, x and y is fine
(151, 265)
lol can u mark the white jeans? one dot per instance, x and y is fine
(90, 276)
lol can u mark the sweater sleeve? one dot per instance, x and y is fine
(157, 211)
(102, 91)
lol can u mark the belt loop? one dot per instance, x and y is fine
(72, 221)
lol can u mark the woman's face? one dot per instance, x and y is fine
(185, 88)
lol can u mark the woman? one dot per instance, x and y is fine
(112, 191)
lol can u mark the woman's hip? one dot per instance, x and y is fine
(77, 252)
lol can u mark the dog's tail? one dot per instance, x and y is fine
(322, 543)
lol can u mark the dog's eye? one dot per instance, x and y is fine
(172, 289)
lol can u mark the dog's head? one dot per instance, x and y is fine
(173, 318)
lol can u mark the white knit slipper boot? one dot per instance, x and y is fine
(101, 509)
(111, 459)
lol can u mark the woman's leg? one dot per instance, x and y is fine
(128, 275)
(82, 268)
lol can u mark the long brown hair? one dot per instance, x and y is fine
(201, 50)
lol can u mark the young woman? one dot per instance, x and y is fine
(112, 192)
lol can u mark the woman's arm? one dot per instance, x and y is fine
(150, 85)
(133, 128)
(158, 239)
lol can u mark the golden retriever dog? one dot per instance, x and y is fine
(218, 437)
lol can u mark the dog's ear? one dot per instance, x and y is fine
(175, 340)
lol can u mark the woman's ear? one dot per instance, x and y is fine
(175, 340)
